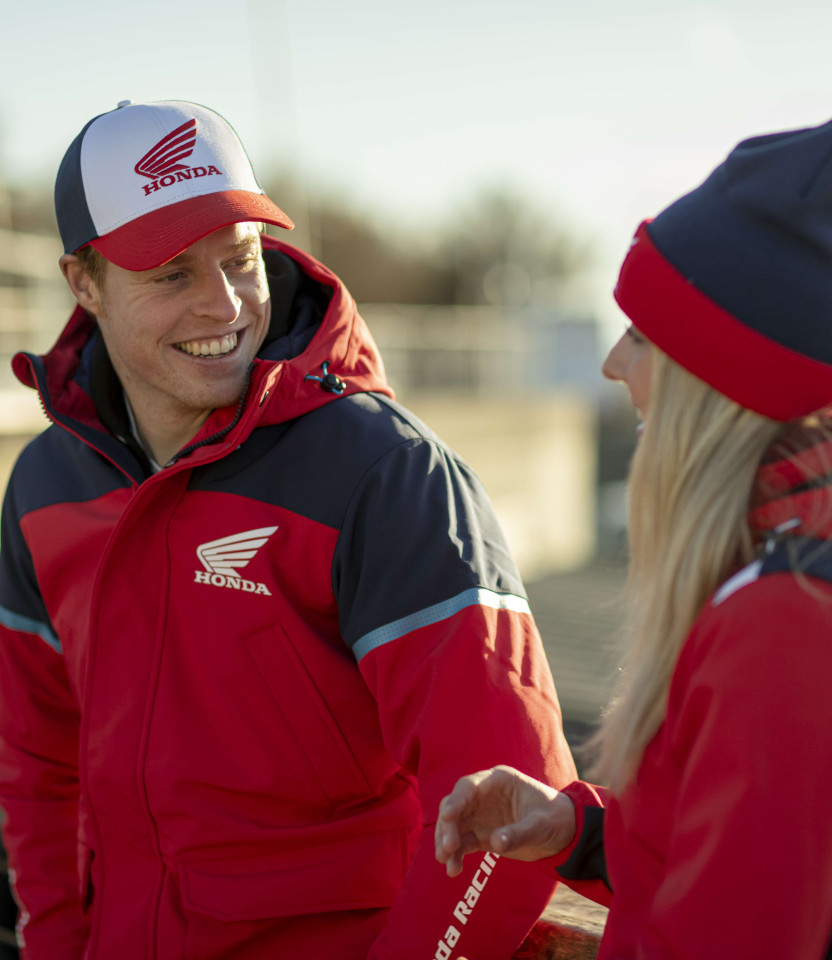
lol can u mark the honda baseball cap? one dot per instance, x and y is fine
(145, 181)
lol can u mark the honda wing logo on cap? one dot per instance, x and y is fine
(162, 164)
(164, 157)
(224, 558)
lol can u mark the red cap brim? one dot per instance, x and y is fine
(157, 237)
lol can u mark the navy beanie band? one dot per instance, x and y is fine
(733, 281)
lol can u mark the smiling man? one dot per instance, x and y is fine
(244, 596)
(181, 337)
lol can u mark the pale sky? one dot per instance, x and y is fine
(602, 111)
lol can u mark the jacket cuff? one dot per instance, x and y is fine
(584, 858)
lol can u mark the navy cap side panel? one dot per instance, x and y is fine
(73, 214)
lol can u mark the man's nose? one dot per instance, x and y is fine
(217, 298)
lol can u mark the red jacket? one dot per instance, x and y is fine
(722, 846)
(234, 692)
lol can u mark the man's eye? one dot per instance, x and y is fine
(171, 277)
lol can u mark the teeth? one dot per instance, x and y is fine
(209, 348)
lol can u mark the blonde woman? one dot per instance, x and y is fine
(713, 836)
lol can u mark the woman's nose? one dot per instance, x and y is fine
(612, 366)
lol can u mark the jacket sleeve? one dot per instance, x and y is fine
(38, 760)
(748, 869)
(433, 608)
(583, 864)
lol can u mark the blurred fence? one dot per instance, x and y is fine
(34, 299)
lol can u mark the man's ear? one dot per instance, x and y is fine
(83, 287)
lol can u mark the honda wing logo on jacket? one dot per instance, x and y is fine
(223, 558)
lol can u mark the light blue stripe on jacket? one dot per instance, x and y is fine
(16, 621)
(476, 596)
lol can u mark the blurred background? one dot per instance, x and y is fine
(474, 172)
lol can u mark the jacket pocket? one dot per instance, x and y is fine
(353, 873)
(308, 713)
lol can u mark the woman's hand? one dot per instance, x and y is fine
(505, 811)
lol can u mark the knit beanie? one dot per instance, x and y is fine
(733, 281)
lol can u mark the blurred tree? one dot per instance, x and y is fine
(378, 263)
(496, 248)
(29, 208)
(502, 247)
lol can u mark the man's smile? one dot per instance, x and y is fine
(209, 348)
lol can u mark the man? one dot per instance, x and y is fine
(256, 618)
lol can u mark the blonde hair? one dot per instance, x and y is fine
(691, 485)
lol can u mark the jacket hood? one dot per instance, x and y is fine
(310, 360)
(318, 349)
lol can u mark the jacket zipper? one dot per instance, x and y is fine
(215, 437)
